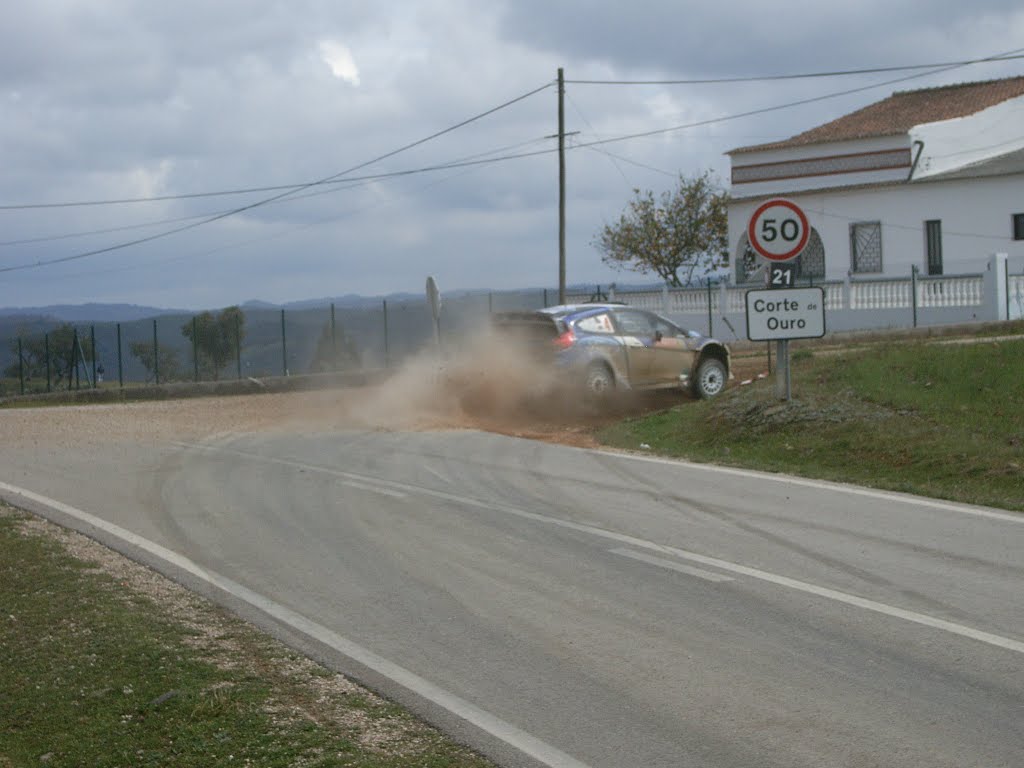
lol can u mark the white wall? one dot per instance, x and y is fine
(975, 215)
(953, 144)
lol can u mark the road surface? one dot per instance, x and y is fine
(560, 606)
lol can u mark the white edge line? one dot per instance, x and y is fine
(905, 498)
(661, 562)
(485, 721)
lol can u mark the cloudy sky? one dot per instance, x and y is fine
(109, 100)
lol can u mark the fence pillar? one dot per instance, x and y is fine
(847, 292)
(665, 304)
(995, 289)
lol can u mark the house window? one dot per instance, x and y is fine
(933, 246)
(810, 263)
(1018, 226)
(866, 247)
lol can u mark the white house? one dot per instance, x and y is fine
(932, 179)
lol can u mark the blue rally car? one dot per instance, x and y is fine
(613, 346)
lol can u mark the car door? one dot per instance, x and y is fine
(672, 355)
(636, 330)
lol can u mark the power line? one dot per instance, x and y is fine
(800, 76)
(277, 187)
(489, 160)
(274, 198)
(788, 105)
(940, 66)
(347, 185)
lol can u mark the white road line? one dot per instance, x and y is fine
(485, 721)
(783, 581)
(443, 478)
(361, 482)
(700, 573)
(922, 501)
(373, 489)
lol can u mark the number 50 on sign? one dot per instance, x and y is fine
(778, 230)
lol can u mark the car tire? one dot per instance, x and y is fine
(600, 381)
(710, 379)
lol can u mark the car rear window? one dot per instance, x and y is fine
(601, 323)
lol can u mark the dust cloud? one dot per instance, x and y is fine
(473, 378)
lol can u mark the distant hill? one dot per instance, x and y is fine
(86, 313)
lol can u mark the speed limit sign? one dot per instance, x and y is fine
(778, 230)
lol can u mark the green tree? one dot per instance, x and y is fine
(335, 353)
(680, 235)
(63, 355)
(216, 338)
(170, 367)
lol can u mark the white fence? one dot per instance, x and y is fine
(857, 304)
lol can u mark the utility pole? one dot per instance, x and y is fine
(561, 186)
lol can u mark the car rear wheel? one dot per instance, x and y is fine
(711, 378)
(599, 382)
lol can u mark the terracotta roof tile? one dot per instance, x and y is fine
(903, 110)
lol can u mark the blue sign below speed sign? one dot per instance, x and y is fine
(778, 230)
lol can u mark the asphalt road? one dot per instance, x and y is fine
(602, 610)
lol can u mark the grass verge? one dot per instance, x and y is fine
(104, 663)
(937, 419)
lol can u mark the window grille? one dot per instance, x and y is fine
(811, 262)
(866, 247)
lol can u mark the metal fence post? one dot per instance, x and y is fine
(156, 356)
(387, 353)
(120, 362)
(284, 348)
(21, 366)
(46, 351)
(1006, 282)
(73, 372)
(334, 340)
(238, 346)
(913, 291)
(92, 354)
(195, 351)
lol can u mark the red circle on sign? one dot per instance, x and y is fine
(763, 232)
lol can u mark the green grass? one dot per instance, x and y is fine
(94, 673)
(934, 419)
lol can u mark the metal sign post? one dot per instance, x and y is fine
(781, 315)
(779, 231)
(434, 302)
